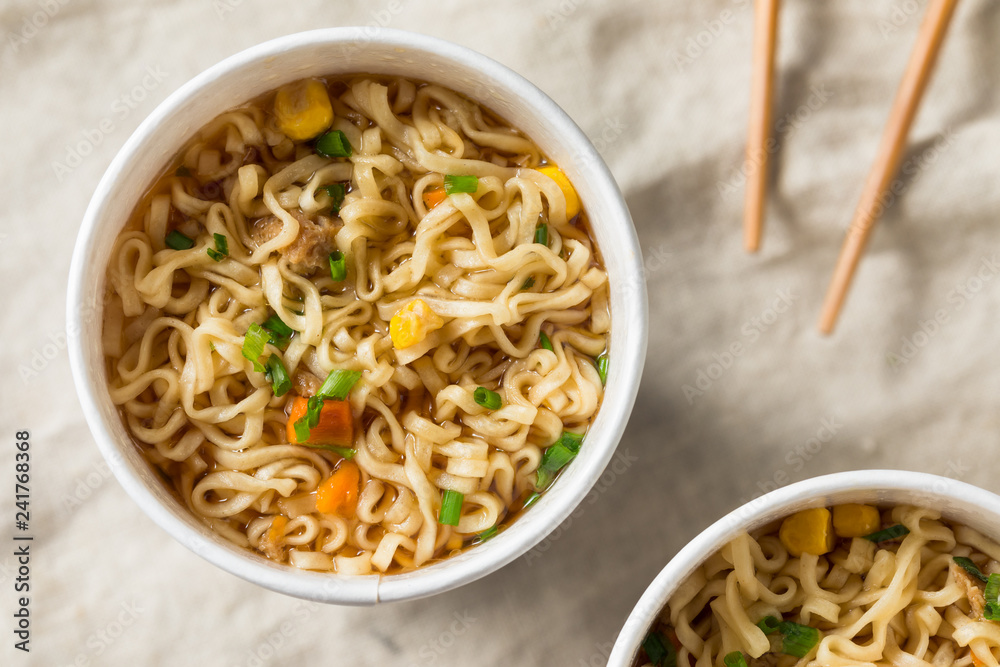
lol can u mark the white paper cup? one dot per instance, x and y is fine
(330, 52)
(957, 501)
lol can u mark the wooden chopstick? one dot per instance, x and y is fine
(761, 88)
(890, 151)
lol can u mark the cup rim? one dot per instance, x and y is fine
(769, 507)
(553, 508)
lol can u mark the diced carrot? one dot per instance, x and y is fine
(433, 197)
(335, 427)
(277, 530)
(977, 662)
(338, 493)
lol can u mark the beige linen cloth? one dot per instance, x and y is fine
(908, 381)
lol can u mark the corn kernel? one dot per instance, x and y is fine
(808, 531)
(411, 324)
(303, 109)
(569, 192)
(854, 520)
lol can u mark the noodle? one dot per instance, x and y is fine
(248, 227)
(903, 601)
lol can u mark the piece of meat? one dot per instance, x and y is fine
(306, 384)
(972, 590)
(311, 248)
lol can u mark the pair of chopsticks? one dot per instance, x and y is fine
(887, 160)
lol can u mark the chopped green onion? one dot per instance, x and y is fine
(451, 507)
(992, 595)
(309, 420)
(314, 406)
(338, 266)
(302, 430)
(769, 624)
(211, 346)
(178, 241)
(528, 284)
(887, 534)
(659, 650)
(798, 639)
(337, 191)
(338, 384)
(542, 234)
(253, 345)
(571, 441)
(344, 452)
(278, 331)
(455, 184)
(556, 457)
(602, 368)
(278, 375)
(970, 567)
(333, 144)
(182, 171)
(545, 342)
(221, 248)
(735, 659)
(530, 500)
(486, 398)
(487, 534)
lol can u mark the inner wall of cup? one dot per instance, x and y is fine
(958, 508)
(209, 96)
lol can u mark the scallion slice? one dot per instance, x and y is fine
(769, 624)
(544, 341)
(314, 406)
(221, 250)
(344, 452)
(451, 507)
(602, 368)
(887, 534)
(797, 639)
(455, 184)
(302, 430)
(338, 266)
(333, 144)
(991, 612)
(278, 375)
(542, 234)
(530, 500)
(278, 331)
(253, 345)
(178, 241)
(309, 420)
(487, 534)
(735, 659)
(337, 192)
(970, 567)
(556, 457)
(338, 384)
(659, 650)
(528, 284)
(486, 398)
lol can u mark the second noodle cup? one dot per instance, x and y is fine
(385, 220)
(855, 568)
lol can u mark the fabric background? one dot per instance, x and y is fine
(908, 380)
